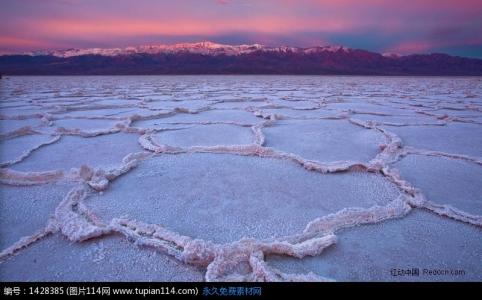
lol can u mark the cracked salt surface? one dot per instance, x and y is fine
(227, 197)
(107, 259)
(12, 125)
(324, 140)
(73, 152)
(14, 150)
(229, 116)
(445, 181)
(84, 124)
(239, 178)
(402, 120)
(108, 112)
(459, 138)
(287, 113)
(27, 209)
(420, 240)
(205, 135)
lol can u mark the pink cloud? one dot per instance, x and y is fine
(425, 46)
(129, 27)
(10, 43)
(411, 47)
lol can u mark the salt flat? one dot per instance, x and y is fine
(242, 178)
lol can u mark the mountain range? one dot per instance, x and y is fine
(212, 58)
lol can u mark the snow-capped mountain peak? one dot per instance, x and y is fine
(205, 48)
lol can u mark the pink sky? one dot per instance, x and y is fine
(452, 26)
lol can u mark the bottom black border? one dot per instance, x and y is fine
(146, 290)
